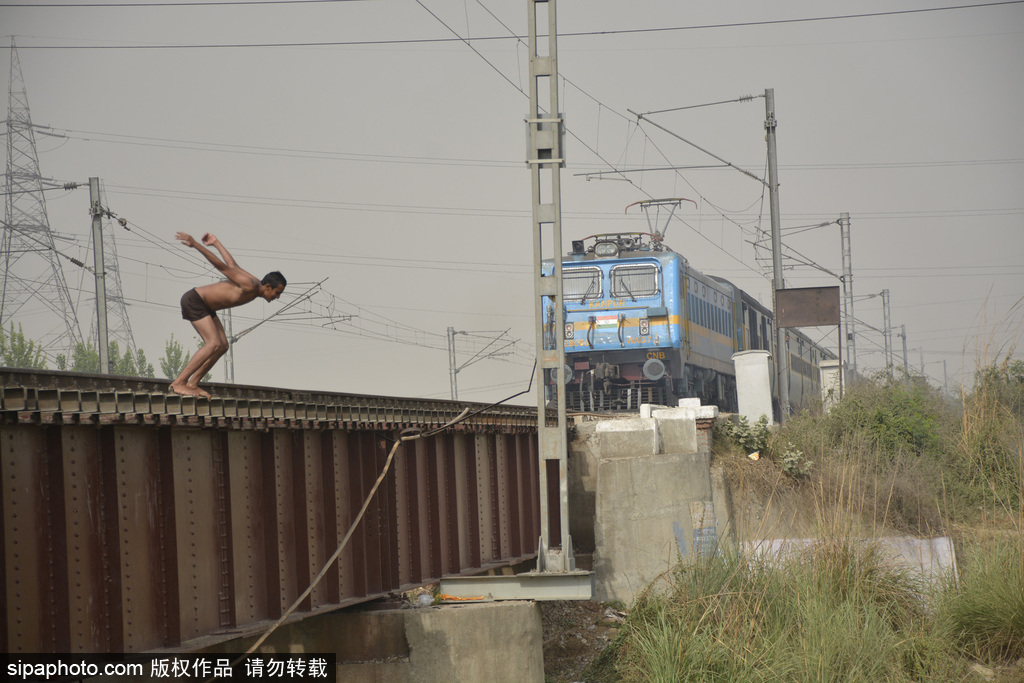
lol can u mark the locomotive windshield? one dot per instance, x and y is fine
(581, 283)
(635, 280)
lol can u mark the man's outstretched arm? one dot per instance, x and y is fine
(227, 266)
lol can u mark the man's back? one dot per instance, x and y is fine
(225, 294)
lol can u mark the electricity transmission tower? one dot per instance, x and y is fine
(32, 285)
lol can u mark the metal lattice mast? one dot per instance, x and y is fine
(544, 126)
(32, 285)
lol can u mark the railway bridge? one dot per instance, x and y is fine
(136, 520)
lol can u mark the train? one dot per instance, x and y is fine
(644, 326)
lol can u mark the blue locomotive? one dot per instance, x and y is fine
(643, 326)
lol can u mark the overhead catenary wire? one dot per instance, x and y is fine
(576, 34)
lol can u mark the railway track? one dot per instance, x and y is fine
(81, 398)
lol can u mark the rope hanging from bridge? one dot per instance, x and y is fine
(337, 553)
(366, 504)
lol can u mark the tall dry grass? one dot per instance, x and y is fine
(896, 456)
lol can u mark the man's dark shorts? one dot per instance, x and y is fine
(194, 308)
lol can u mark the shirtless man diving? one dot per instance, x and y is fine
(200, 306)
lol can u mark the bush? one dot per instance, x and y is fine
(897, 416)
(749, 438)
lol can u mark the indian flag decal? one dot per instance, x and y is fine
(607, 321)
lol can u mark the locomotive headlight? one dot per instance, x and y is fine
(606, 250)
(654, 369)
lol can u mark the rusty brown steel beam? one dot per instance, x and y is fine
(134, 521)
(67, 397)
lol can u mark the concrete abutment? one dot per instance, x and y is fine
(495, 641)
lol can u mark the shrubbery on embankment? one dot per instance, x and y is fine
(894, 456)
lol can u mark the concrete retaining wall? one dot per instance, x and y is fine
(498, 641)
(641, 495)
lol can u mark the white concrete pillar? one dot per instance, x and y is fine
(753, 384)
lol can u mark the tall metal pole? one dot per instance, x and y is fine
(781, 350)
(102, 336)
(229, 367)
(545, 159)
(851, 345)
(452, 370)
(886, 332)
(906, 366)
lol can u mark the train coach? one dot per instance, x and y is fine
(643, 326)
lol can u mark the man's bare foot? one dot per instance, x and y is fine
(196, 391)
(181, 390)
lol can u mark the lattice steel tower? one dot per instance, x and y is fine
(32, 286)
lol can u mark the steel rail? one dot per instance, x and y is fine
(45, 396)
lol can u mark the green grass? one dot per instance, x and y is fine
(984, 608)
(837, 612)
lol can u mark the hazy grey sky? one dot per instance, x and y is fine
(355, 141)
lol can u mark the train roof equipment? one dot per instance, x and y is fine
(614, 244)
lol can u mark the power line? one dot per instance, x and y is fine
(203, 3)
(579, 34)
(299, 153)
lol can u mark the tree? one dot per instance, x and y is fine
(174, 359)
(18, 352)
(85, 358)
(134, 366)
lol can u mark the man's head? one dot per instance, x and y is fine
(272, 285)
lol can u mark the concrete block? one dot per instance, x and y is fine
(638, 513)
(647, 409)
(628, 437)
(495, 641)
(706, 412)
(485, 642)
(643, 519)
(678, 428)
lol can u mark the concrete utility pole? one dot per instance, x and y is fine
(851, 344)
(545, 158)
(229, 367)
(886, 332)
(781, 352)
(102, 338)
(903, 333)
(452, 370)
